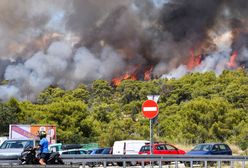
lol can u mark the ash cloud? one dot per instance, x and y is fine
(64, 43)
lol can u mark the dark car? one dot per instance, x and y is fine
(211, 149)
(107, 151)
(161, 149)
(96, 151)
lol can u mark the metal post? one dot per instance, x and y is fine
(124, 164)
(160, 163)
(142, 164)
(176, 164)
(151, 137)
(191, 164)
(151, 141)
(219, 164)
(243, 164)
(205, 164)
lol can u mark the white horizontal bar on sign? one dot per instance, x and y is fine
(150, 109)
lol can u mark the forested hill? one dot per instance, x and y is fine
(195, 108)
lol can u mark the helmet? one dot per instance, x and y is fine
(42, 134)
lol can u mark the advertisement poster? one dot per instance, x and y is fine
(32, 131)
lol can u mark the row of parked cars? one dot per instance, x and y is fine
(143, 147)
(126, 147)
(200, 149)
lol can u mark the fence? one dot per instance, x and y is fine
(160, 160)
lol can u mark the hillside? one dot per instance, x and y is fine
(199, 107)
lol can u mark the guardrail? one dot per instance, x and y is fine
(160, 160)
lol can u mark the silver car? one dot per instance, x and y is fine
(14, 147)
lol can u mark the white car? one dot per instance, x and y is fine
(2, 139)
(14, 147)
(128, 147)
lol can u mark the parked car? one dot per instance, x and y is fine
(161, 149)
(211, 149)
(73, 152)
(2, 139)
(128, 147)
(96, 151)
(14, 147)
(107, 151)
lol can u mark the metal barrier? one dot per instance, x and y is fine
(159, 160)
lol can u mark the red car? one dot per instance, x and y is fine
(161, 149)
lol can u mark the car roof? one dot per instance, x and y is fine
(67, 150)
(162, 143)
(211, 143)
(20, 139)
(70, 150)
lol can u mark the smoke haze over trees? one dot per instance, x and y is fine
(65, 43)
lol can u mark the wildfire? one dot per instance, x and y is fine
(147, 73)
(232, 62)
(117, 81)
(133, 76)
(194, 60)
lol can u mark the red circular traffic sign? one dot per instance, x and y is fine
(150, 109)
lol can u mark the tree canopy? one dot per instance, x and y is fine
(199, 107)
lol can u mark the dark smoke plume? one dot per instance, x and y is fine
(64, 43)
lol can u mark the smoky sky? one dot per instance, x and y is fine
(64, 43)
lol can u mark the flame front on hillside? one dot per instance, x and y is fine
(64, 43)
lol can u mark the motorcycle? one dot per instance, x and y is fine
(29, 156)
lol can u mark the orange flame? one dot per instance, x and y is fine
(117, 81)
(147, 73)
(132, 75)
(232, 62)
(194, 60)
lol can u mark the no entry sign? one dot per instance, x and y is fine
(150, 109)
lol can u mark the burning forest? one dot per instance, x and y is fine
(65, 43)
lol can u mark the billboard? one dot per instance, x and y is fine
(19, 131)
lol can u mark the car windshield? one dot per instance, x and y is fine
(202, 147)
(16, 144)
(145, 148)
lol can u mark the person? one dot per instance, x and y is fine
(43, 146)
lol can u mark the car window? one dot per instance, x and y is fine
(65, 153)
(72, 152)
(99, 151)
(169, 147)
(16, 144)
(83, 152)
(145, 148)
(160, 147)
(202, 147)
(223, 147)
(215, 148)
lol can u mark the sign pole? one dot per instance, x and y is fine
(150, 110)
(151, 137)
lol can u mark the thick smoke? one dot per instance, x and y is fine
(64, 43)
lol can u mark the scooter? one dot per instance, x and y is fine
(29, 156)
